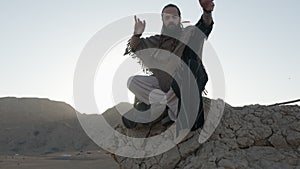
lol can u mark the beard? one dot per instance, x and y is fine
(172, 30)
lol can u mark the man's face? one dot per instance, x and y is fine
(170, 18)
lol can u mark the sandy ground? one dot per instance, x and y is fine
(72, 160)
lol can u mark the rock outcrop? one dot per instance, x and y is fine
(252, 136)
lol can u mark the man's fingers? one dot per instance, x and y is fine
(135, 19)
(207, 4)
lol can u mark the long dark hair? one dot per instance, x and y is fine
(174, 6)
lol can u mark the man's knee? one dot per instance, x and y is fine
(130, 80)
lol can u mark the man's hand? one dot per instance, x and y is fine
(139, 26)
(207, 5)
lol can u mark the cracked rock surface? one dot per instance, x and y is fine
(252, 136)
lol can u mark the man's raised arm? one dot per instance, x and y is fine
(139, 29)
(205, 24)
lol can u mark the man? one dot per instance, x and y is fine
(160, 88)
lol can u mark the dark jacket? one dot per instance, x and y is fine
(194, 63)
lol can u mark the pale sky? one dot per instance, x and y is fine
(257, 43)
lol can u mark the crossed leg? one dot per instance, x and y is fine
(147, 90)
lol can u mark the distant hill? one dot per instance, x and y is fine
(39, 126)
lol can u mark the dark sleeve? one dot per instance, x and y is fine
(144, 43)
(206, 29)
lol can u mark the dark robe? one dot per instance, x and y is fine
(190, 57)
